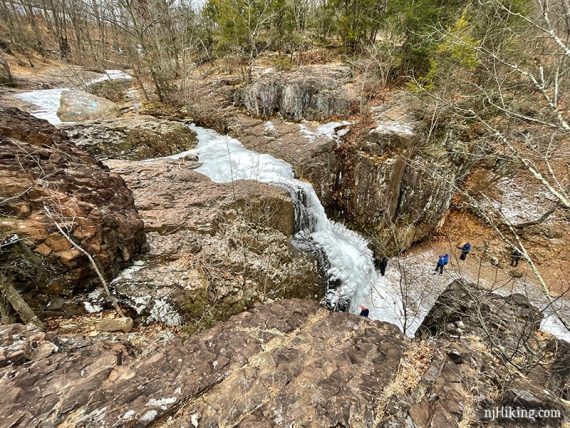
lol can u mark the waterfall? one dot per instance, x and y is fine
(342, 255)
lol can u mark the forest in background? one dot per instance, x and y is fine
(497, 67)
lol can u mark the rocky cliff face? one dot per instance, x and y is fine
(133, 138)
(215, 249)
(311, 93)
(384, 179)
(41, 171)
(385, 182)
(283, 363)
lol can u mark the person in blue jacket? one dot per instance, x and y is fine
(364, 311)
(441, 262)
(465, 250)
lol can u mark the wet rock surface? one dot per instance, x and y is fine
(40, 169)
(215, 249)
(131, 138)
(278, 364)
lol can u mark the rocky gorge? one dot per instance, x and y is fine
(215, 265)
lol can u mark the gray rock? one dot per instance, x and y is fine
(77, 106)
(132, 138)
(311, 93)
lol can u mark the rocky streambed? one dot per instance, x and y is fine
(218, 238)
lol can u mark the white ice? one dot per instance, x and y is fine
(224, 159)
(329, 130)
(45, 102)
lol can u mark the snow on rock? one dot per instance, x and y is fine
(517, 204)
(331, 130)
(391, 127)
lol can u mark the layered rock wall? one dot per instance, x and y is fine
(41, 172)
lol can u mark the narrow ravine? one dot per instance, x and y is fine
(343, 255)
(345, 259)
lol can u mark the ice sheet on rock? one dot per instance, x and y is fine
(551, 324)
(111, 75)
(46, 102)
(225, 159)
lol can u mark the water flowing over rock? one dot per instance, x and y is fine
(40, 168)
(311, 93)
(76, 106)
(131, 138)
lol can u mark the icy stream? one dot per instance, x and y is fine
(343, 254)
(345, 257)
(45, 102)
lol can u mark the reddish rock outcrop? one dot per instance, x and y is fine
(41, 170)
(281, 364)
(214, 249)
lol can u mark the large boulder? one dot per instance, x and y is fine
(311, 93)
(77, 106)
(133, 138)
(47, 181)
(215, 249)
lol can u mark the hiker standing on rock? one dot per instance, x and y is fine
(515, 257)
(364, 311)
(382, 264)
(441, 262)
(465, 249)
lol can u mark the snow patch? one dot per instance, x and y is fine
(128, 415)
(194, 419)
(391, 127)
(92, 308)
(149, 416)
(329, 130)
(162, 403)
(163, 311)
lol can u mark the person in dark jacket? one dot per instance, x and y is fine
(465, 250)
(516, 256)
(364, 311)
(441, 262)
(382, 264)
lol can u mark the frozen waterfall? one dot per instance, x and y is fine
(344, 255)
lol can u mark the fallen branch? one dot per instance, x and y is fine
(91, 261)
(19, 304)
